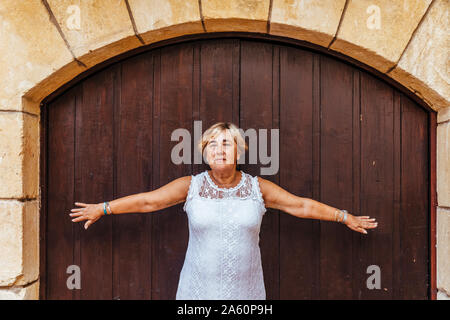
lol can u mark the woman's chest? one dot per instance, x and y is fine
(204, 213)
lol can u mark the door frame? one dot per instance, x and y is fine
(432, 127)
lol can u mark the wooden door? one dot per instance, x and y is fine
(347, 139)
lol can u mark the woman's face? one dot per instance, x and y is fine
(221, 151)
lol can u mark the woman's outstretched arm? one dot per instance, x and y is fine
(280, 199)
(168, 195)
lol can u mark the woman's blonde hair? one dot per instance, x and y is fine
(216, 129)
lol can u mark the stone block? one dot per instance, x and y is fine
(443, 115)
(376, 32)
(424, 66)
(96, 30)
(160, 20)
(443, 249)
(443, 164)
(236, 15)
(312, 21)
(19, 155)
(30, 292)
(31, 49)
(19, 242)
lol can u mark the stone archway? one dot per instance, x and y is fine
(45, 44)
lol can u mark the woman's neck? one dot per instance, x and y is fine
(225, 179)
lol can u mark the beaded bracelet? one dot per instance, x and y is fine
(345, 215)
(105, 206)
(342, 216)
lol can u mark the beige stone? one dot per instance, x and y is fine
(312, 21)
(443, 115)
(31, 49)
(159, 20)
(30, 292)
(443, 164)
(11, 240)
(96, 30)
(19, 155)
(376, 32)
(30, 255)
(30, 156)
(236, 15)
(11, 137)
(424, 67)
(32, 98)
(441, 295)
(19, 242)
(443, 249)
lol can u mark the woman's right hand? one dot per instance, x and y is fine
(89, 212)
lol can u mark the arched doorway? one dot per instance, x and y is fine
(347, 139)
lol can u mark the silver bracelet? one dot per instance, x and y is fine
(345, 215)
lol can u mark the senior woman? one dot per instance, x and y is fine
(225, 209)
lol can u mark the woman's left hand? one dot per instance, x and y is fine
(360, 223)
(89, 212)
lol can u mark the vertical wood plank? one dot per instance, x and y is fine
(156, 125)
(315, 192)
(216, 95)
(336, 177)
(297, 236)
(59, 237)
(276, 178)
(377, 187)
(359, 273)
(94, 180)
(396, 208)
(77, 230)
(414, 220)
(134, 140)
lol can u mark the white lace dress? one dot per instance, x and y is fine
(223, 259)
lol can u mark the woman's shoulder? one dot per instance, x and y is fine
(263, 186)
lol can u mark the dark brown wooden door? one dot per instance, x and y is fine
(346, 139)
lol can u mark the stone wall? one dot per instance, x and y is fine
(46, 43)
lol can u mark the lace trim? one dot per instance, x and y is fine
(203, 187)
(259, 195)
(190, 193)
(225, 189)
(208, 190)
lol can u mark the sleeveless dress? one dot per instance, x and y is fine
(223, 259)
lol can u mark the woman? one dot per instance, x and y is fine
(225, 208)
